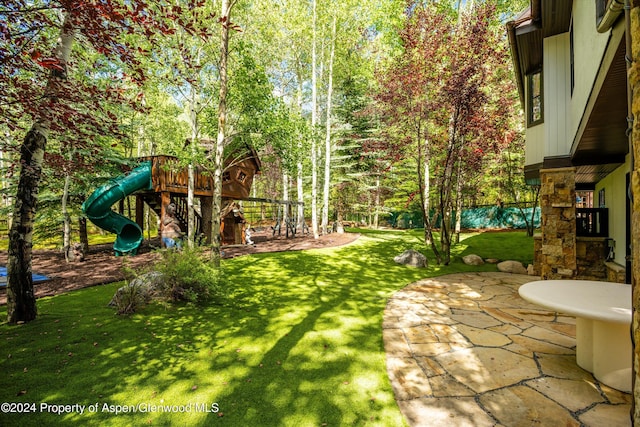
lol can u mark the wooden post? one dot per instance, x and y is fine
(140, 211)
(165, 199)
(206, 206)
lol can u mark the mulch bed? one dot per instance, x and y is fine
(101, 266)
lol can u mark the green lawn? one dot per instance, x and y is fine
(298, 343)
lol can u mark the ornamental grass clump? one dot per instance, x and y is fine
(189, 276)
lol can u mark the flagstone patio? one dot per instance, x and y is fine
(465, 350)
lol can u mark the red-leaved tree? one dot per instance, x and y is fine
(442, 100)
(477, 109)
(407, 100)
(36, 62)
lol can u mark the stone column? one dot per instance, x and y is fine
(558, 223)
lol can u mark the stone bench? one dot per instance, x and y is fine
(603, 321)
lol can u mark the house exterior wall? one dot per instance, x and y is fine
(615, 192)
(557, 88)
(589, 48)
(568, 117)
(564, 108)
(534, 147)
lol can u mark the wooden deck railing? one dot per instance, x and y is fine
(592, 222)
(169, 175)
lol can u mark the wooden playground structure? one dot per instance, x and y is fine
(169, 184)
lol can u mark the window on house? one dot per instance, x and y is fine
(535, 105)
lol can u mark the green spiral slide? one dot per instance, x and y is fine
(98, 208)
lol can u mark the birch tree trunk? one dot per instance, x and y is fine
(21, 302)
(376, 215)
(300, 171)
(314, 121)
(327, 140)
(66, 219)
(225, 18)
(424, 172)
(191, 175)
(5, 159)
(300, 189)
(285, 197)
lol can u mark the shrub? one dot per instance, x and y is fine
(188, 276)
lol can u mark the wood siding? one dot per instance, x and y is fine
(169, 177)
(557, 87)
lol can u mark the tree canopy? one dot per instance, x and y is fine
(410, 101)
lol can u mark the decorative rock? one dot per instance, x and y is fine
(492, 260)
(514, 267)
(142, 288)
(412, 258)
(472, 260)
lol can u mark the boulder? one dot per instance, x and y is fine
(472, 260)
(411, 258)
(140, 290)
(514, 267)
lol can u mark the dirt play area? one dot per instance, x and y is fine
(101, 266)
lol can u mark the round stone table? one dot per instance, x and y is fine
(603, 321)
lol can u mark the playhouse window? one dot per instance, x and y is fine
(241, 176)
(226, 177)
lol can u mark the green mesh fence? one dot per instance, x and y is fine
(492, 217)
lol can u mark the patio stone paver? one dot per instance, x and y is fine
(445, 412)
(465, 349)
(483, 369)
(523, 406)
(572, 394)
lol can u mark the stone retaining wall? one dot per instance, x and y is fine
(591, 263)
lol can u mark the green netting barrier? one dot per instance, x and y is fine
(497, 217)
(492, 217)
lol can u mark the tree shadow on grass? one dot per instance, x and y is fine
(298, 343)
